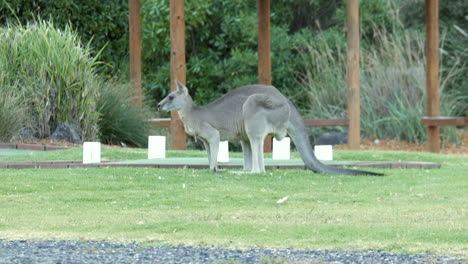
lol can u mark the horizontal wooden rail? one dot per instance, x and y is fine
(326, 122)
(166, 122)
(444, 121)
(161, 122)
(38, 147)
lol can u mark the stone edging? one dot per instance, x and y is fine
(108, 164)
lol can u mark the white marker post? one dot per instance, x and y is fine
(223, 152)
(324, 152)
(91, 152)
(282, 149)
(156, 147)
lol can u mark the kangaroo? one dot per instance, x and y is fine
(247, 114)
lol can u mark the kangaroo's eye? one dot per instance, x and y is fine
(171, 97)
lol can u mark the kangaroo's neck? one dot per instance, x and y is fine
(185, 112)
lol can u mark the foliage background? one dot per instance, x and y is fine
(221, 44)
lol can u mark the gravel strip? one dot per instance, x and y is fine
(58, 251)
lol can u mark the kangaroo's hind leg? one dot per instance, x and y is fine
(255, 112)
(256, 141)
(246, 148)
(256, 128)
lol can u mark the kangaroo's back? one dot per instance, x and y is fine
(226, 113)
(235, 98)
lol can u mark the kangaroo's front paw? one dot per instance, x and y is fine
(258, 171)
(217, 170)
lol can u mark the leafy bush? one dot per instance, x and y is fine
(122, 121)
(103, 23)
(221, 49)
(55, 75)
(12, 113)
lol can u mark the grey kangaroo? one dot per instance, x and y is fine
(247, 114)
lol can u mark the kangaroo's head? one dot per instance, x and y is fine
(176, 100)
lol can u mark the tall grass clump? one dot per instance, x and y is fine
(12, 113)
(394, 88)
(55, 75)
(393, 93)
(121, 120)
(324, 78)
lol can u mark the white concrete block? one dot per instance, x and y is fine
(324, 152)
(91, 152)
(223, 152)
(282, 149)
(156, 147)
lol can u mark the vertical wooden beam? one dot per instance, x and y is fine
(264, 48)
(264, 39)
(432, 72)
(178, 68)
(135, 50)
(353, 76)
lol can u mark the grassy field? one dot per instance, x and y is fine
(406, 211)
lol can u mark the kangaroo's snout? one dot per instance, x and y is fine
(159, 106)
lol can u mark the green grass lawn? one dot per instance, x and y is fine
(406, 211)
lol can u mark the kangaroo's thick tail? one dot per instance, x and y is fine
(299, 135)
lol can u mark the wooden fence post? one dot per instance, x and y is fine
(264, 45)
(135, 51)
(264, 57)
(353, 75)
(178, 68)
(432, 72)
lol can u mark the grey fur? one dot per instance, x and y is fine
(246, 114)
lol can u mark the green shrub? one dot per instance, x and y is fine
(121, 121)
(103, 23)
(55, 74)
(12, 113)
(221, 49)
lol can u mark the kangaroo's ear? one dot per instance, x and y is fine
(181, 87)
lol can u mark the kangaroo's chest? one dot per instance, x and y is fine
(191, 130)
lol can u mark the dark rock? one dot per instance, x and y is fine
(332, 138)
(25, 133)
(68, 133)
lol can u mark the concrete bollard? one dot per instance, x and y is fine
(223, 152)
(282, 149)
(324, 152)
(156, 147)
(91, 152)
